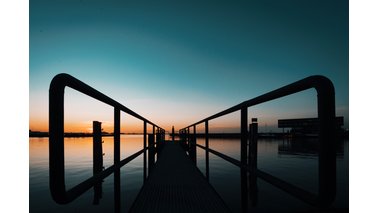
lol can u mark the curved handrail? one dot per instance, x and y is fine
(60, 81)
(327, 148)
(56, 137)
(323, 86)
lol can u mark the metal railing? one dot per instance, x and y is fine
(56, 140)
(248, 153)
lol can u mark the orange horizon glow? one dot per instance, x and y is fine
(215, 126)
(83, 127)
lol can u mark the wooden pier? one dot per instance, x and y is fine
(174, 183)
(177, 185)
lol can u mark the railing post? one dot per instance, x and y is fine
(187, 140)
(117, 131)
(153, 132)
(243, 157)
(144, 151)
(151, 153)
(56, 141)
(97, 160)
(327, 144)
(117, 158)
(154, 139)
(173, 134)
(252, 160)
(193, 146)
(207, 148)
(159, 141)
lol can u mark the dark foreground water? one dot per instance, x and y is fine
(293, 161)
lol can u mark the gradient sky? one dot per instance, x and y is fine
(176, 62)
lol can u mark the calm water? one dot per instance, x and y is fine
(295, 162)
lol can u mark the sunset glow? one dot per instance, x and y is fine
(173, 75)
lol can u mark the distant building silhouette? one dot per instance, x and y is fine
(306, 126)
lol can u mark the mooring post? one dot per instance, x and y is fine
(151, 153)
(252, 160)
(243, 157)
(97, 160)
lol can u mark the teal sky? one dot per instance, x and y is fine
(176, 62)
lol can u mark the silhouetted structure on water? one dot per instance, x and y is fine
(175, 169)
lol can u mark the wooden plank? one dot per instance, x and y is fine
(176, 185)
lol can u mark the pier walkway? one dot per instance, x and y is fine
(176, 185)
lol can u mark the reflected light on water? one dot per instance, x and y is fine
(294, 162)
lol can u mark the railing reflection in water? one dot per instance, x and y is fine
(56, 144)
(248, 145)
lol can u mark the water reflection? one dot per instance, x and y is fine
(78, 159)
(305, 147)
(292, 161)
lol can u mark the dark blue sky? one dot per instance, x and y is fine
(179, 61)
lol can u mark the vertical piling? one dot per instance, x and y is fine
(243, 157)
(158, 142)
(173, 133)
(187, 140)
(117, 157)
(117, 131)
(193, 146)
(151, 153)
(252, 160)
(207, 148)
(327, 143)
(97, 160)
(154, 140)
(145, 151)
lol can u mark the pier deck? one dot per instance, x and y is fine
(176, 185)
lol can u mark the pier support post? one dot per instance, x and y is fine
(252, 160)
(158, 141)
(97, 160)
(173, 134)
(117, 158)
(117, 132)
(207, 149)
(151, 153)
(327, 144)
(243, 158)
(145, 151)
(187, 140)
(193, 146)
